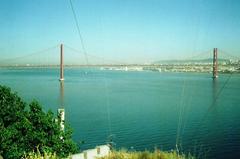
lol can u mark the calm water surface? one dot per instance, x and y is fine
(141, 110)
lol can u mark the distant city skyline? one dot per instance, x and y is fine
(133, 31)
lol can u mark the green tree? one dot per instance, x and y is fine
(27, 128)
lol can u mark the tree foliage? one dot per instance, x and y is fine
(27, 128)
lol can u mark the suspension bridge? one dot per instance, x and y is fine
(213, 60)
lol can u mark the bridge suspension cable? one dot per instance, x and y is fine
(29, 55)
(201, 54)
(94, 56)
(228, 54)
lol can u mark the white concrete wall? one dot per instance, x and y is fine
(99, 151)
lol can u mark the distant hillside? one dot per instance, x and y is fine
(189, 61)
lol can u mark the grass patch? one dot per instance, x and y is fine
(123, 154)
(157, 154)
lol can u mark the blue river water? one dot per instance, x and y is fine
(140, 110)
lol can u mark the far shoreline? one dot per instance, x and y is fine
(158, 68)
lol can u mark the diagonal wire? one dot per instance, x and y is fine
(219, 93)
(211, 106)
(180, 117)
(79, 32)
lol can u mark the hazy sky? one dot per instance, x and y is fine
(127, 30)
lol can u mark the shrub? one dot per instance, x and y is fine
(27, 128)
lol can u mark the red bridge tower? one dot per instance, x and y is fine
(215, 63)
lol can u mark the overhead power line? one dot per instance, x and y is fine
(79, 32)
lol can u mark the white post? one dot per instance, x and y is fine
(61, 114)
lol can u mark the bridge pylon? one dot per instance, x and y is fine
(61, 64)
(215, 63)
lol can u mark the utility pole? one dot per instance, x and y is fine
(61, 111)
